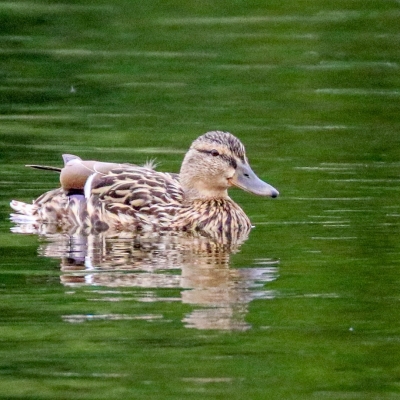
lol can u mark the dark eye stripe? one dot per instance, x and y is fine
(230, 160)
(203, 151)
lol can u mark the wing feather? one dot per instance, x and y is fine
(140, 193)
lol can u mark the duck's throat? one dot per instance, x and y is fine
(204, 194)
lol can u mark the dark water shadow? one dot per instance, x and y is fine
(198, 267)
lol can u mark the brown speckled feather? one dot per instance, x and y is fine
(138, 198)
(134, 198)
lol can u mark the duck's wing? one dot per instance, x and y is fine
(133, 196)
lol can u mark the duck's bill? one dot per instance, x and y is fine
(246, 179)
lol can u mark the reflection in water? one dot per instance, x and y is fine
(196, 266)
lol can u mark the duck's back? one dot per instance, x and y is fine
(133, 198)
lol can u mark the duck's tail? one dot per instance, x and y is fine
(25, 213)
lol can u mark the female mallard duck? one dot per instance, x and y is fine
(128, 197)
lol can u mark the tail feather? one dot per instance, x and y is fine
(24, 208)
(23, 219)
(25, 213)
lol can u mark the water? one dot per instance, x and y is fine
(307, 307)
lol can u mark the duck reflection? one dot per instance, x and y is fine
(197, 266)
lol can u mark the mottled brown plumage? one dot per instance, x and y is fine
(127, 197)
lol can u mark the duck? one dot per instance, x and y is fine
(105, 196)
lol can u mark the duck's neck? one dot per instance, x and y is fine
(199, 192)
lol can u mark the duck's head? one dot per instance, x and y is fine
(216, 161)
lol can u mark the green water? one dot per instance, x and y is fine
(309, 306)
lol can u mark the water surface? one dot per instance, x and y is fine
(307, 307)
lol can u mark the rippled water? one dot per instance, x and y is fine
(307, 307)
(199, 272)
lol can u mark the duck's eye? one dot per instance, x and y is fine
(214, 153)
